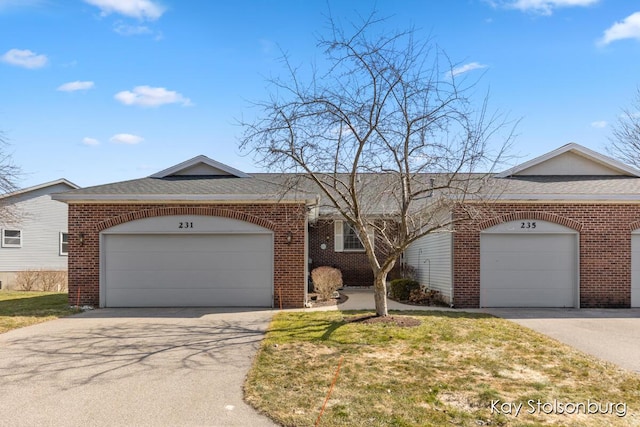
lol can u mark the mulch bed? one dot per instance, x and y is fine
(403, 321)
(325, 303)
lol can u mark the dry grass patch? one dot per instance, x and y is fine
(19, 309)
(446, 371)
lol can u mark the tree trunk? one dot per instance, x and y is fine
(380, 293)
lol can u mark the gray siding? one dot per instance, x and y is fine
(41, 220)
(431, 257)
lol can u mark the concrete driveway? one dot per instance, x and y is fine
(132, 367)
(609, 334)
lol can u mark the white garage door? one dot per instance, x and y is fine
(187, 269)
(635, 269)
(528, 263)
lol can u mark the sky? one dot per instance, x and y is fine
(100, 91)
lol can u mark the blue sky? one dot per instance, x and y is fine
(99, 91)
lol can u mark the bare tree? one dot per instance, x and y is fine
(9, 174)
(388, 137)
(625, 141)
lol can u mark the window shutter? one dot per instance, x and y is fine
(338, 245)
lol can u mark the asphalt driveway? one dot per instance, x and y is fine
(609, 334)
(132, 367)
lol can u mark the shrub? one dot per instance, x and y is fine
(41, 280)
(53, 281)
(426, 297)
(326, 280)
(400, 289)
(26, 280)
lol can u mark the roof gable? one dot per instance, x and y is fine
(200, 166)
(571, 160)
(60, 183)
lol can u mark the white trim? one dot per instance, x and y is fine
(11, 245)
(61, 252)
(338, 238)
(578, 149)
(194, 161)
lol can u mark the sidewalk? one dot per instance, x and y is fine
(361, 298)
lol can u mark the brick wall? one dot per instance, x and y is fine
(89, 219)
(355, 267)
(605, 248)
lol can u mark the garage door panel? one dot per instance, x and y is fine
(148, 270)
(521, 269)
(187, 260)
(186, 279)
(173, 243)
(195, 298)
(551, 260)
(515, 279)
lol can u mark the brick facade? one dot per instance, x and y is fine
(89, 219)
(355, 267)
(605, 248)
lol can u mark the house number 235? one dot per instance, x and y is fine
(528, 225)
(185, 225)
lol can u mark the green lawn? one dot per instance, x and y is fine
(19, 309)
(454, 369)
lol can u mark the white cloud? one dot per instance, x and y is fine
(74, 86)
(629, 28)
(90, 141)
(600, 124)
(131, 30)
(543, 7)
(466, 68)
(126, 138)
(140, 9)
(147, 96)
(24, 58)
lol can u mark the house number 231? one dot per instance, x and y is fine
(528, 225)
(185, 225)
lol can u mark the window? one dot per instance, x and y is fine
(350, 239)
(11, 238)
(346, 238)
(64, 243)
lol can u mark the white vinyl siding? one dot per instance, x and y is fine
(41, 220)
(344, 236)
(431, 256)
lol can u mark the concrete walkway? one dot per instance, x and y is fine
(612, 335)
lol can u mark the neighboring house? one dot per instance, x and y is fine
(34, 231)
(562, 230)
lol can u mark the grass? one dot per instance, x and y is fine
(19, 309)
(447, 371)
